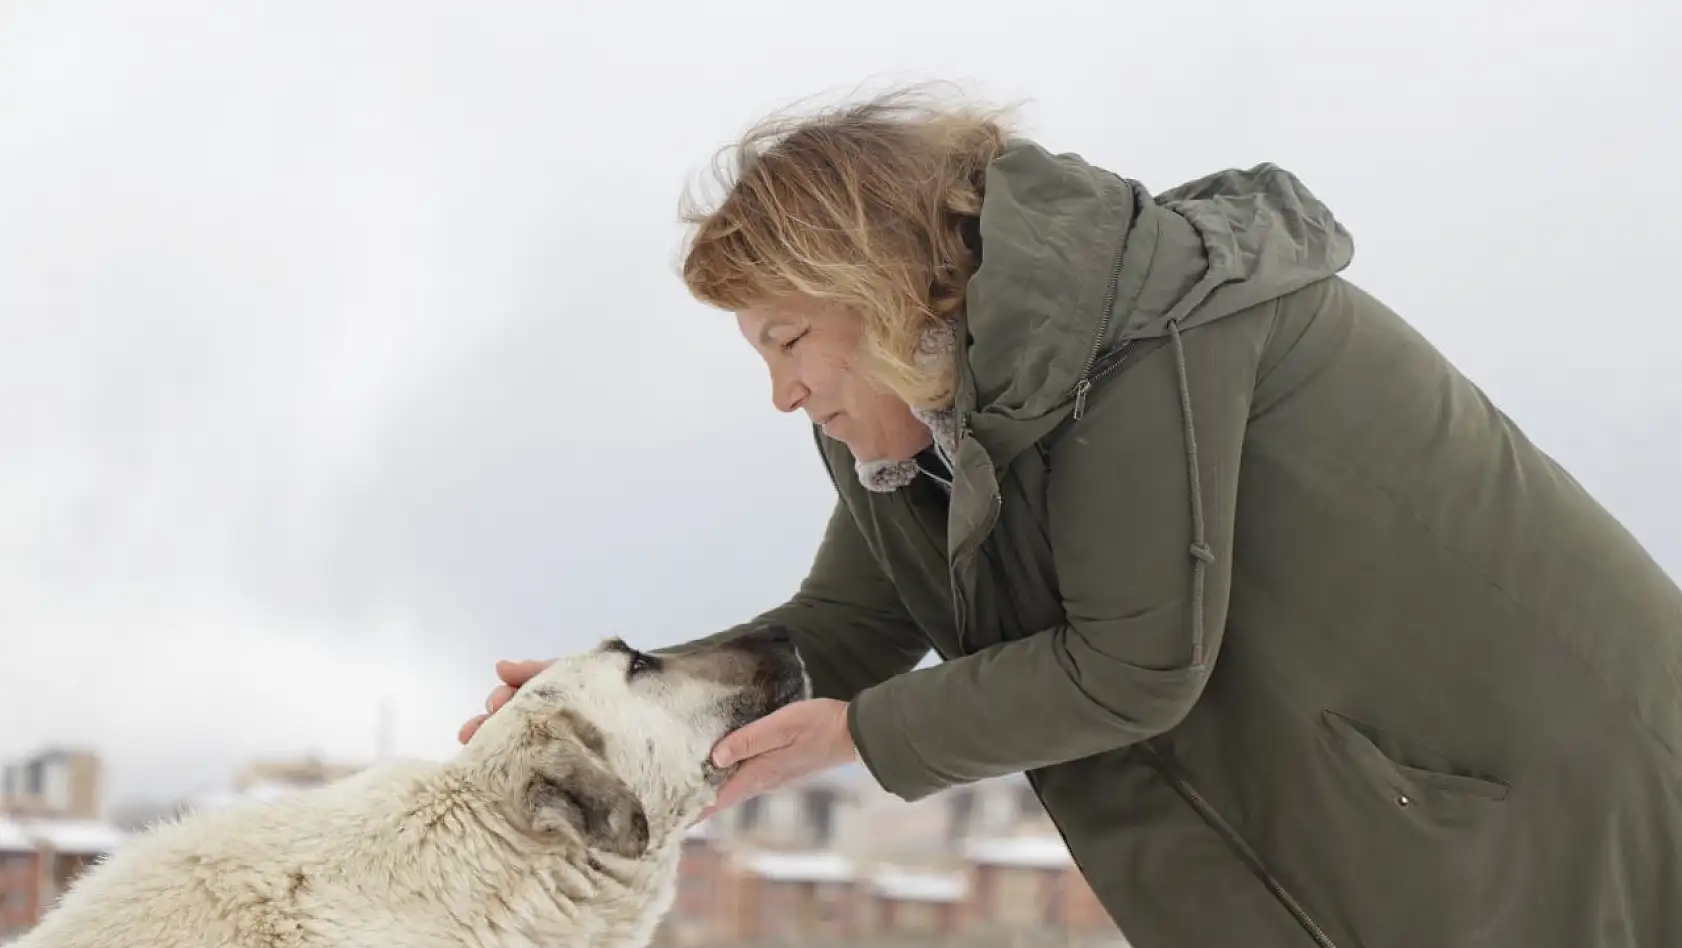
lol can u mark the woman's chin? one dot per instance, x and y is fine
(869, 453)
(875, 450)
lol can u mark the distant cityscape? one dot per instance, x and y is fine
(834, 860)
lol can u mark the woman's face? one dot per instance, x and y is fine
(814, 352)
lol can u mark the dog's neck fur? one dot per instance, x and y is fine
(519, 890)
(620, 900)
(936, 351)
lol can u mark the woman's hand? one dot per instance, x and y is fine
(513, 675)
(801, 739)
(793, 742)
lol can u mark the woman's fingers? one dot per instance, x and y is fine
(513, 675)
(754, 777)
(516, 674)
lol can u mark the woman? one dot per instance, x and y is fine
(1298, 638)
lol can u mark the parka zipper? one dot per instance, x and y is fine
(1214, 820)
(1110, 364)
(1096, 370)
(1085, 384)
(995, 501)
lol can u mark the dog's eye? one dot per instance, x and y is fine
(638, 664)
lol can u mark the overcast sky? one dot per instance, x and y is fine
(342, 351)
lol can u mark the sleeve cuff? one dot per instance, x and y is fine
(885, 748)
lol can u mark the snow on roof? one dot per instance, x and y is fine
(13, 838)
(1025, 852)
(78, 837)
(70, 837)
(800, 866)
(911, 885)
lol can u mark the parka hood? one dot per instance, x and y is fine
(1077, 261)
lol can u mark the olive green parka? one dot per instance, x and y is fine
(1298, 637)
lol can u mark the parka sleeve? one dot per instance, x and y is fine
(1124, 665)
(846, 618)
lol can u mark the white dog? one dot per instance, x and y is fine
(559, 824)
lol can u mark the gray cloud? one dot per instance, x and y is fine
(341, 351)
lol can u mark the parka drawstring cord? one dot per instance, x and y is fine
(1202, 556)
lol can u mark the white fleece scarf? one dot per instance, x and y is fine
(938, 349)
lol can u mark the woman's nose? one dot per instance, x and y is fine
(788, 394)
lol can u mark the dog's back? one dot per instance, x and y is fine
(368, 860)
(560, 823)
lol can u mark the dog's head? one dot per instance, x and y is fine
(605, 741)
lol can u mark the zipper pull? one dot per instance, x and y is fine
(1081, 389)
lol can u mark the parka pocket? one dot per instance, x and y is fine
(1430, 849)
(1406, 773)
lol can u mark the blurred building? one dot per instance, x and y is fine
(62, 782)
(269, 779)
(50, 832)
(39, 859)
(51, 827)
(311, 770)
(835, 860)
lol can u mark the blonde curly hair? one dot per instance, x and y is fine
(874, 206)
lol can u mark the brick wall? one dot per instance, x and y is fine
(722, 901)
(33, 876)
(911, 917)
(1082, 912)
(20, 892)
(776, 909)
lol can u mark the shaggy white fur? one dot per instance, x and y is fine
(560, 824)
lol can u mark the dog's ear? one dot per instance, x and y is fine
(569, 788)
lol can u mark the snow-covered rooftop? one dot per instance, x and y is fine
(78, 837)
(70, 837)
(1027, 852)
(800, 866)
(13, 838)
(918, 885)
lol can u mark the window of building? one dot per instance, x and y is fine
(750, 812)
(820, 803)
(34, 778)
(1027, 801)
(960, 814)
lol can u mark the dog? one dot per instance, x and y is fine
(559, 824)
